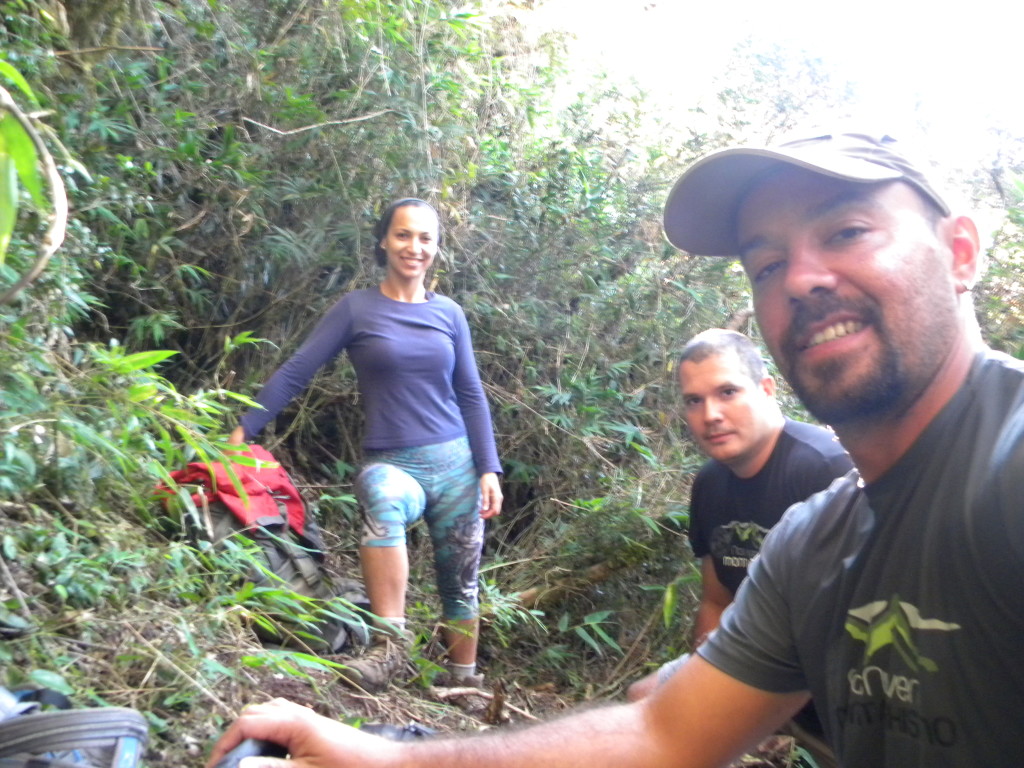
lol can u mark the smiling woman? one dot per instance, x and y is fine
(429, 447)
(407, 239)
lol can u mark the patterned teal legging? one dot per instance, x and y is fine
(439, 483)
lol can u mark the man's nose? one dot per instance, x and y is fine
(808, 269)
(712, 411)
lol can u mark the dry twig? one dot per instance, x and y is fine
(318, 125)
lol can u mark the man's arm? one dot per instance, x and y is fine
(701, 718)
(714, 598)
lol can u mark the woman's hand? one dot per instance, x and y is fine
(490, 495)
(311, 740)
(237, 436)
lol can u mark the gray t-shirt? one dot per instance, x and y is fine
(900, 605)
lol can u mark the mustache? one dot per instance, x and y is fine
(815, 309)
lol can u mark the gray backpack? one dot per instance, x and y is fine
(296, 562)
(107, 737)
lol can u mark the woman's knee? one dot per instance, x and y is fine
(390, 500)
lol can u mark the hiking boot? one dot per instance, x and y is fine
(449, 679)
(470, 681)
(378, 666)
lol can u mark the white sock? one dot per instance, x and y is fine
(391, 626)
(461, 671)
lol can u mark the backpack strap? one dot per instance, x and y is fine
(21, 701)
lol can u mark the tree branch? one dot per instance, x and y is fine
(318, 125)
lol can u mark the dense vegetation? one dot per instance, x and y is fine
(224, 162)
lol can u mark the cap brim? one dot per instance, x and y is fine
(700, 212)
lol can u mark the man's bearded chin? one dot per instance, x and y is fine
(831, 402)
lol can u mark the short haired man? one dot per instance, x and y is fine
(760, 463)
(894, 599)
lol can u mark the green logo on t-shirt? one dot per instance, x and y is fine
(880, 624)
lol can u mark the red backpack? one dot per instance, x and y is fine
(272, 514)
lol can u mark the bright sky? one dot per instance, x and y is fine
(955, 66)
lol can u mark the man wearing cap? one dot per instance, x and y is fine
(894, 598)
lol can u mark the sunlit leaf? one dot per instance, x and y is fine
(8, 198)
(668, 605)
(15, 77)
(139, 392)
(140, 360)
(26, 160)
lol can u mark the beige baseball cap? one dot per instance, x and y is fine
(700, 212)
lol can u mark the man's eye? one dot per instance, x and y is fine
(766, 271)
(848, 233)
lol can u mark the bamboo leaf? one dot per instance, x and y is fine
(16, 78)
(47, 679)
(8, 199)
(140, 360)
(668, 605)
(585, 636)
(606, 637)
(139, 392)
(26, 160)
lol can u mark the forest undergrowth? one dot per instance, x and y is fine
(223, 164)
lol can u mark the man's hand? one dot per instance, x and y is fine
(237, 436)
(490, 495)
(311, 740)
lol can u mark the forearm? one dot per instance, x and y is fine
(615, 736)
(700, 718)
(714, 599)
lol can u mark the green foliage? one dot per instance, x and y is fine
(77, 571)
(1000, 297)
(237, 155)
(504, 613)
(19, 161)
(591, 630)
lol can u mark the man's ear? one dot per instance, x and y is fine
(768, 386)
(966, 247)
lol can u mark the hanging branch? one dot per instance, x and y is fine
(318, 125)
(58, 197)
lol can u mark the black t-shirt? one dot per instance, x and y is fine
(730, 516)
